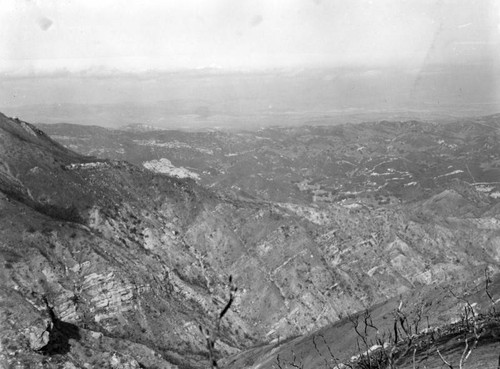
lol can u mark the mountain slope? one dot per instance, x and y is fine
(104, 261)
(70, 242)
(426, 317)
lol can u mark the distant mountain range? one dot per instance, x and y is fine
(380, 162)
(109, 264)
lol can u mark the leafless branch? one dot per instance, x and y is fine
(212, 335)
(414, 352)
(487, 289)
(444, 361)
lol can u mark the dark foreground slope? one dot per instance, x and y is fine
(105, 264)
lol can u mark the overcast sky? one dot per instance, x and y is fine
(47, 36)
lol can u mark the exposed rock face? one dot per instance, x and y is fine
(38, 334)
(131, 263)
(165, 166)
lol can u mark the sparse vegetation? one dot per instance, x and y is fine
(291, 258)
(406, 345)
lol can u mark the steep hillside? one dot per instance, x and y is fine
(106, 262)
(435, 321)
(90, 250)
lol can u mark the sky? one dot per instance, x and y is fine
(40, 37)
(238, 57)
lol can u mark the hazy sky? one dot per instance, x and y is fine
(47, 36)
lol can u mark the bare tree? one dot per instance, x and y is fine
(211, 335)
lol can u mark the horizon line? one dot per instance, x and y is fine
(105, 71)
